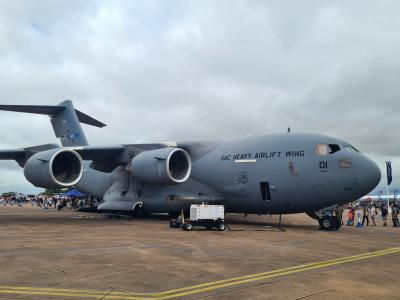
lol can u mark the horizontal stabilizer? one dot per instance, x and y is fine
(51, 110)
(34, 109)
(83, 118)
(64, 118)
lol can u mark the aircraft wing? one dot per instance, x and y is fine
(107, 158)
(11, 154)
(117, 154)
(21, 155)
(122, 152)
(87, 153)
(98, 153)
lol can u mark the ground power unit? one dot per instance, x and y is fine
(209, 216)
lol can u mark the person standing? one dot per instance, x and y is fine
(395, 215)
(350, 221)
(365, 215)
(359, 213)
(384, 212)
(373, 213)
(340, 214)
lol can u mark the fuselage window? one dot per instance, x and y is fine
(345, 163)
(321, 149)
(333, 148)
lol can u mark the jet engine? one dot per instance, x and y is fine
(162, 166)
(54, 168)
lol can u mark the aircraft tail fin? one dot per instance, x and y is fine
(64, 118)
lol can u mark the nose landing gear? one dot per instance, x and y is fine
(329, 218)
(328, 223)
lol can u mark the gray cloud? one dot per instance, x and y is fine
(186, 70)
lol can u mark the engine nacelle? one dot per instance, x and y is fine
(54, 168)
(162, 166)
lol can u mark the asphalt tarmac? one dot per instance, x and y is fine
(46, 254)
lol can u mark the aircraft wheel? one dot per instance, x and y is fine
(174, 215)
(337, 223)
(221, 226)
(327, 223)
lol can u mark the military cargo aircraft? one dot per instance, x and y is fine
(270, 174)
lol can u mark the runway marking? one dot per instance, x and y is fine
(195, 289)
(73, 291)
(277, 273)
(76, 295)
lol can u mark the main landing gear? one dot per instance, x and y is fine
(328, 218)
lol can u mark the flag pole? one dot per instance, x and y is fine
(388, 182)
(388, 198)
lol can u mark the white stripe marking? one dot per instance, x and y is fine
(245, 160)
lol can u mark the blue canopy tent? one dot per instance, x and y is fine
(74, 193)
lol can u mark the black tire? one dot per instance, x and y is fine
(189, 226)
(174, 215)
(172, 224)
(221, 226)
(336, 223)
(327, 223)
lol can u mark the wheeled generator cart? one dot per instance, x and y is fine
(204, 215)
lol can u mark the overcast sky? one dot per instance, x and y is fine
(186, 70)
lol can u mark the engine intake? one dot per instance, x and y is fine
(54, 168)
(162, 166)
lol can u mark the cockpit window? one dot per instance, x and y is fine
(333, 148)
(355, 149)
(321, 149)
(324, 149)
(349, 148)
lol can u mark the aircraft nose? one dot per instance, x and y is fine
(368, 175)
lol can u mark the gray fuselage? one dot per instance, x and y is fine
(281, 173)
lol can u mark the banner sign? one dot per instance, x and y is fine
(389, 172)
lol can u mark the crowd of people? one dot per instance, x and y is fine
(362, 214)
(42, 201)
